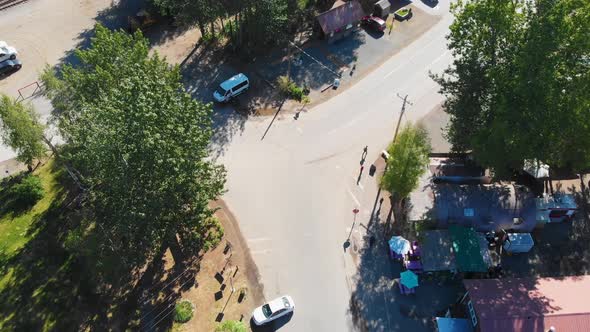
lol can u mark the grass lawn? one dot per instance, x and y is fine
(14, 229)
(28, 268)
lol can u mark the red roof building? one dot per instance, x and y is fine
(528, 304)
(341, 20)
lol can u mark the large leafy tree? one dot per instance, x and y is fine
(21, 130)
(201, 12)
(253, 25)
(408, 159)
(140, 142)
(518, 86)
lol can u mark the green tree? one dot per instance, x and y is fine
(518, 86)
(254, 24)
(140, 142)
(186, 12)
(21, 130)
(231, 326)
(408, 160)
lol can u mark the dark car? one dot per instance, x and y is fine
(374, 22)
(9, 66)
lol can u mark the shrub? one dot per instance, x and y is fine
(28, 192)
(231, 326)
(183, 312)
(214, 235)
(291, 90)
(209, 37)
(283, 84)
(296, 92)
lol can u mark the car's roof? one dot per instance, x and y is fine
(278, 304)
(236, 79)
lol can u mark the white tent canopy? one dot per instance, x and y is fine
(536, 168)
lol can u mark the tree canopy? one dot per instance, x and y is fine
(140, 142)
(231, 326)
(20, 129)
(408, 159)
(519, 84)
(251, 25)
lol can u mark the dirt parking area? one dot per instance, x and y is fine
(43, 31)
(215, 289)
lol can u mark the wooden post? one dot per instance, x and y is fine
(289, 63)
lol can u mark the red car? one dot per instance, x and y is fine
(374, 22)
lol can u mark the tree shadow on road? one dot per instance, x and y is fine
(376, 303)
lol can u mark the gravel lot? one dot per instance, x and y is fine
(46, 32)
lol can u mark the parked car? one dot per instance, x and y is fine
(272, 310)
(7, 52)
(141, 21)
(374, 22)
(231, 88)
(9, 66)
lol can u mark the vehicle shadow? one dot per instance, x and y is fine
(373, 33)
(395, 5)
(272, 326)
(430, 3)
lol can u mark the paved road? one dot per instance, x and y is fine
(293, 191)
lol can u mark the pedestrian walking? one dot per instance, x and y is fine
(364, 155)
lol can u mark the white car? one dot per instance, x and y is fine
(274, 309)
(7, 52)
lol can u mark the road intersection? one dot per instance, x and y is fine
(293, 192)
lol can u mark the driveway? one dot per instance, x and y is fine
(292, 183)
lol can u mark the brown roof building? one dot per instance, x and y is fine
(339, 21)
(528, 304)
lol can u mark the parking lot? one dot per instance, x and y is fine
(354, 56)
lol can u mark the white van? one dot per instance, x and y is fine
(231, 88)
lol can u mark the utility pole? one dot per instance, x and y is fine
(405, 99)
(289, 65)
(355, 211)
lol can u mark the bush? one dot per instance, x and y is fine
(283, 84)
(28, 192)
(231, 326)
(183, 312)
(214, 235)
(291, 90)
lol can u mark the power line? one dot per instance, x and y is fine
(142, 317)
(405, 99)
(163, 310)
(338, 75)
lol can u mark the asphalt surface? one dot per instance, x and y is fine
(293, 191)
(292, 184)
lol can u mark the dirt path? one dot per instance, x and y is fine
(220, 269)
